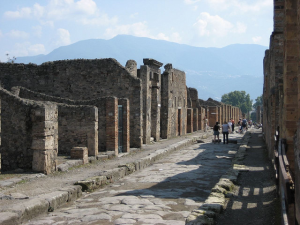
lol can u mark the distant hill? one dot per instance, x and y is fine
(213, 71)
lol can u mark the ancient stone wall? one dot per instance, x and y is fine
(174, 102)
(77, 127)
(101, 104)
(281, 88)
(28, 133)
(150, 74)
(213, 115)
(80, 80)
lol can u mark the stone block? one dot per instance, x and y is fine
(80, 153)
(27, 210)
(56, 199)
(9, 218)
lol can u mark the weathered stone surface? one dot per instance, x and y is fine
(9, 218)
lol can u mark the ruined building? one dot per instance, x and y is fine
(95, 106)
(281, 94)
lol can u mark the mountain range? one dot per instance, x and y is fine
(212, 71)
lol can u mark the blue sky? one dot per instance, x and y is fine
(35, 27)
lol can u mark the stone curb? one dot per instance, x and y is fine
(216, 201)
(28, 209)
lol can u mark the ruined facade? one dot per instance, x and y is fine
(81, 108)
(173, 103)
(281, 94)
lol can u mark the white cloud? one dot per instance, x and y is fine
(38, 10)
(208, 25)
(240, 28)
(62, 37)
(175, 37)
(81, 11)
(189, 2)
(256, 39)
(47, 23)
(132, 16)
(18, 34)
(99, 21)
(36, 49)
(237, 6)
(137, 29)
(22, 13)
(25, 49)
(37, 31)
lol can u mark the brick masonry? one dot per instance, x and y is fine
(281, 94)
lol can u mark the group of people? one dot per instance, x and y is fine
(227, 128)
(243, 125)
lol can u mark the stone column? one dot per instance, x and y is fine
(44, 142)
(126, 124)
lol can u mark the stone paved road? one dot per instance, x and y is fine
(164, 193)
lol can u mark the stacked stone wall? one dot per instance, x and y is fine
(78, 127)
(80, 80)
(28, 134)
(99, 118)
(174, 101)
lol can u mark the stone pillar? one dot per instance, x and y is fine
(44, 142)
(112, 124)
(155, 113)
(126, 124)
(258, 120)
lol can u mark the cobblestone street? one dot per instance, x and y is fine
(164, 193)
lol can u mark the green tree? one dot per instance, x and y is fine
(258, 102)
(239, 99)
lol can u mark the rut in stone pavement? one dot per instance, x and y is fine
(254, 199)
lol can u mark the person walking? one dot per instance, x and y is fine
(205, 124)
(216, 132)
(232, 126)
(225, 131)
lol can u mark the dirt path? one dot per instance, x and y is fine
(254, 200)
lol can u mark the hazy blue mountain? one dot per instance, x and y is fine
(213, 71)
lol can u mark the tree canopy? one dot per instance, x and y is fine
(239, 99)
(258, 102)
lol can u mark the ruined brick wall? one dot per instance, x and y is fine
(290, 85)
(80, 80)
(150, 74)
(101, 104)
(174, 102)
(213, 115)
(28, 133)
(78, 127)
